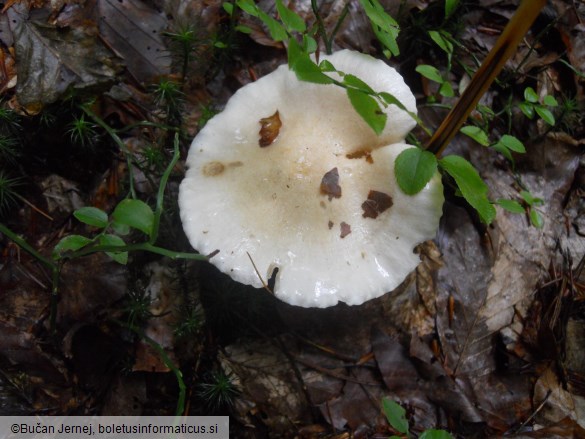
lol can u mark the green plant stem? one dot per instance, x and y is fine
(114, 135)
(344, 13)
(167, 361)
(53, 267)
(143, 246)
(27, 247)
(161, 190)
(492, 65)
(321, 27)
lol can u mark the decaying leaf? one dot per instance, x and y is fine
(269, 129)
(132, 29)
(51, 60)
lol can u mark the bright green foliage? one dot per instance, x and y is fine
(532, 202)
(450, 6)
(367, 107)
(442, 39)
(435, 434)
(508, 144)
(472, 187)
(116, 241)
(511, 205)
(432, 73)
(476, 133)
(396, 415)
(70, 243)
(414, 168)
(290, 19)
(531, 106)
(92, 216)
(275, 28)
(512, 143)
(384, 26)
(136, 214)
(300, 62)
(528, 205)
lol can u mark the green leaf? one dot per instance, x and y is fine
(309, 44)
(450, 6)
(92, 216)
(430, 72)
(530, 95)
(504, 151)
(511, 205)
(276, 30)
(530, 199)
(384, 26)
(228, 7)
(368, 108)
(113, 240)
(477, 134)
(527, 109)
(396, 415)
(303, 66)
(290, 19)
(512, 143)
(70, 243)
(248, 6)
(472, 187)
(440, 39)
(357, 83)
(435, 434)
(446, 90)
(243, 29)
(136, 214)
(388, 39)
(326, 66)
(414, 168)
(393, 100)
(550, 101)
(536, 219)
(120, 229)
(545, 114)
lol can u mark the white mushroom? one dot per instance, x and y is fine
(290, 177)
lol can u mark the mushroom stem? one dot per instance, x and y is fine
(492, 65)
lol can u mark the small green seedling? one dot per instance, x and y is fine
(532, 106)
(82, 132)
(9, 149)
(432, 73)
(219, 391)
(443, 40)
(396, 416)
(526, 206)
(129, 214)
(8, 191)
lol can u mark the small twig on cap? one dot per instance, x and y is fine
(264, 284)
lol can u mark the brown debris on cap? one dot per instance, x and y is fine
(376, 203)
(345, 229)
(330, 184)
(269, 130)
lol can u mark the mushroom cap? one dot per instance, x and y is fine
(320, 201)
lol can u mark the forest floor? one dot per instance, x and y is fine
(486, 338)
